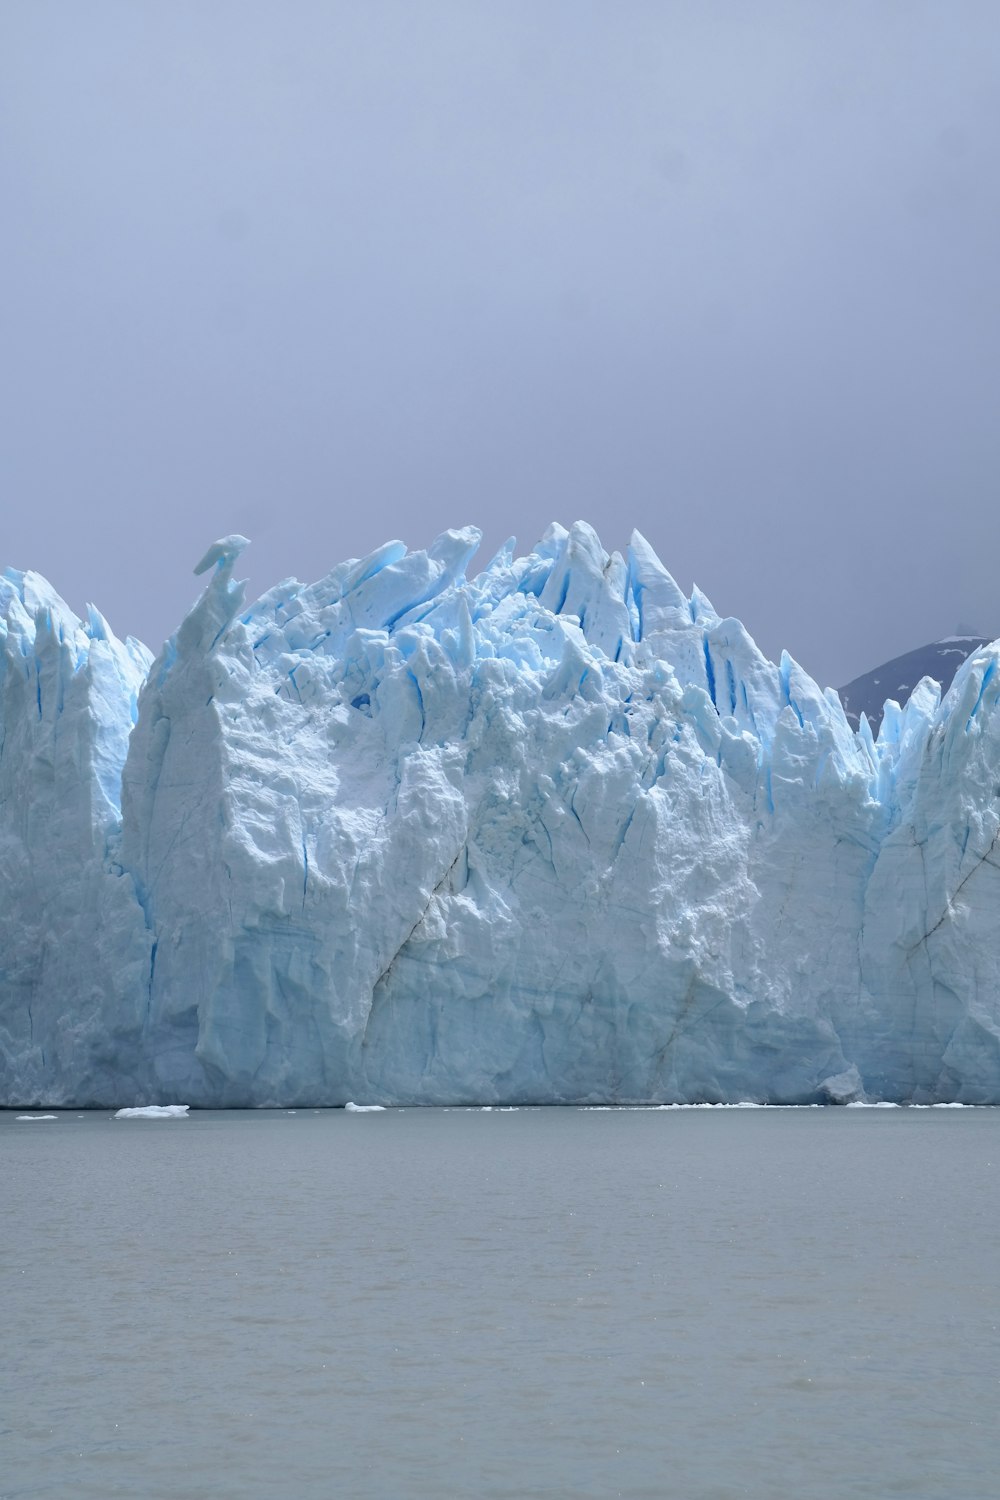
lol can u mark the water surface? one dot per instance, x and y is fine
(700, 1304)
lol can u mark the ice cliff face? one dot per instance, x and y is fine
(72, 939)
(553, 833)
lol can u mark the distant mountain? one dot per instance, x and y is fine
(897, 678)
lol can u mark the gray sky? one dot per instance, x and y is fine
(328, 273)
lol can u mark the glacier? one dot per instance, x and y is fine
(554, 832)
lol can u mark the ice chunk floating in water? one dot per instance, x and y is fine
(154, 1112)
(555, 832)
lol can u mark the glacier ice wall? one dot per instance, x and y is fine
(73, 943)
(555, 832)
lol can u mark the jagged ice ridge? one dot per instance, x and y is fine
(552, 833)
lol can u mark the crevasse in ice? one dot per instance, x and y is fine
(555, 832)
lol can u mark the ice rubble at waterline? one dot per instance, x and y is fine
(555, 832)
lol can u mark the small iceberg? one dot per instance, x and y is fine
(155, 1112)
(36, 1117)
(362, 1109)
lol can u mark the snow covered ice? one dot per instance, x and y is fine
(555, 832)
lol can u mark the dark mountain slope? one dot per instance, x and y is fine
(897, 678)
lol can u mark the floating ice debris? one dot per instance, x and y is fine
(36, 1117)
(154, 1112)
(363, 1109)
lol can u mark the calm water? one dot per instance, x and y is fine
(696, 1304)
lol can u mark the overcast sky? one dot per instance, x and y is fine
(329, 273)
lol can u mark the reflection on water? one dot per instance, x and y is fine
(698, 1304)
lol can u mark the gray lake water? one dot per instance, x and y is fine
(700, 1304)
